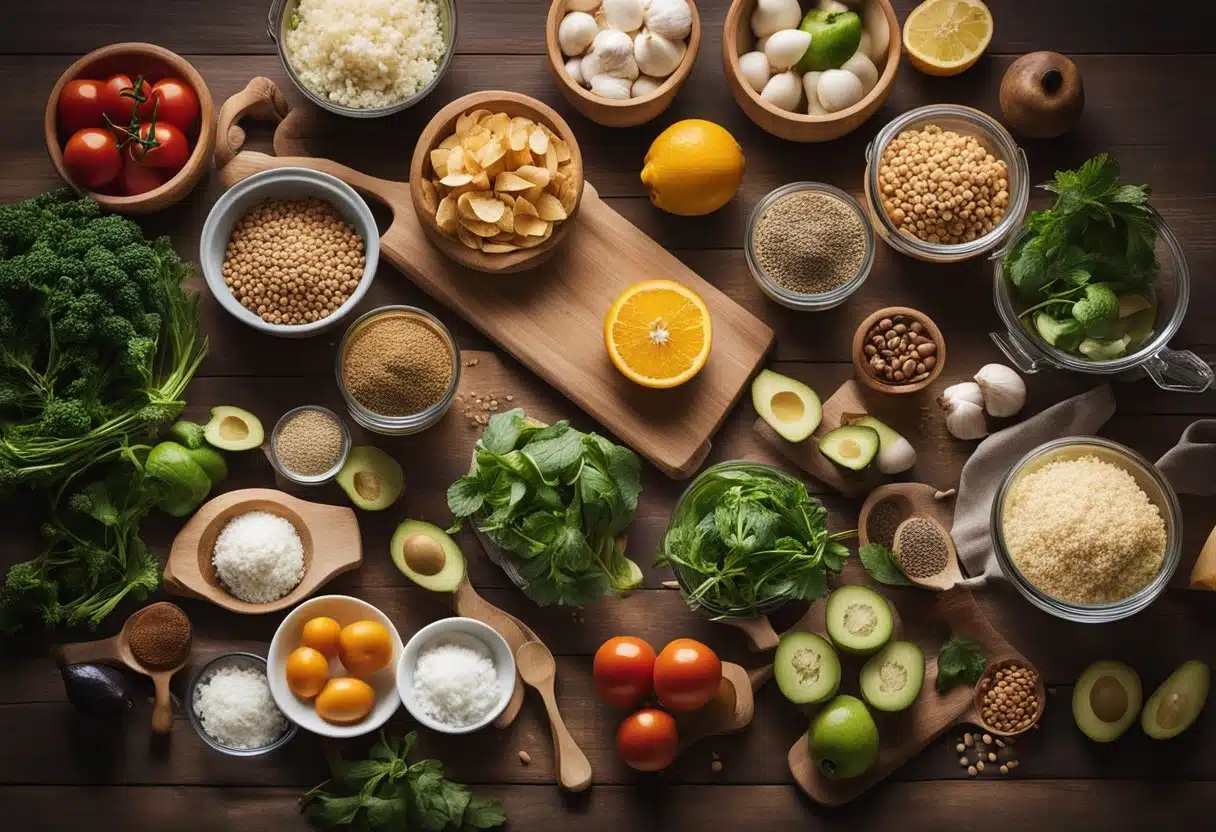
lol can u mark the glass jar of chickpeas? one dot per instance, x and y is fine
(945, 183)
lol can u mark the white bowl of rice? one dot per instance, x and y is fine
(364, 58)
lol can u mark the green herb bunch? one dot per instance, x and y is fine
(961, 661)
(387, 791)
(554, 500)
(746, 536)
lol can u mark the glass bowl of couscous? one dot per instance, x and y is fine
(1087, 529)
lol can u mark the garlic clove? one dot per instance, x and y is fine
(1003, 390)
(574, 68)
(966, 391)
(670, 18)
(838, 90)
(832, 6)
(864, 69)
(874, 21)
(786, 48)
(624, 15)
(575, 33)
(762, 44)
(896, 457)
(755, 69)
(628, 70)
(656, 55)
(645, 85)
(774, 15)
(810, 85)
(590, 66)
(965, 420)
(609, 86)
(613, 48)
(783, 91)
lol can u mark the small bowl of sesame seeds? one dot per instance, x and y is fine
(309, 445)
(1010, 697)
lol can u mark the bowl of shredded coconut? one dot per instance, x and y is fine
(456, 675)
(364, 58)
(231, 708)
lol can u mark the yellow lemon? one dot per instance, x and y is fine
(946, 37)
(658, 333)
(694, 167)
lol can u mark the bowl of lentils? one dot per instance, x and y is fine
(809, 246)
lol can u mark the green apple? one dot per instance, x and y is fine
(844, 739)
(835, 36)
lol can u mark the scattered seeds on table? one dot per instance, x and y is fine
(972, 770)
(525, 757)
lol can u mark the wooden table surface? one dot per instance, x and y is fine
(1147, 77)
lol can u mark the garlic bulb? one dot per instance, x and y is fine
(965, 420)
(609, 86)
(774, 15)
(582, 5)
(575, 33)
(645, 85)
(838, 90)
(783, 91)
(657, 55)
(896, 457)
(670, 18)
(628, 70)
(624, 15)
(964, 391)
(574, 68)
(755, 69)
(864, 69)
(614, 48)
(810, 85)
(786, 48)
(1003, 389)
(590, 66)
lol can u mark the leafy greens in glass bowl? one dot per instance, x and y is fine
(745, 538)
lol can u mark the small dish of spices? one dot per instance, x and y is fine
(809, 246)
(398, 368)
(309, 445)
(159, 637)
(898, 350)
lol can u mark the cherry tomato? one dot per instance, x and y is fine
(92, 157)
(648, 740)
(171, 151)
(118, 106)
(176, 103)
(135, 179)
(686, 675)
(623, 670)
(80, 106)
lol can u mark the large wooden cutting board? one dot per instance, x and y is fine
(551, 318)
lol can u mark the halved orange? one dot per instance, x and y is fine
(946, 37)
(658, 333)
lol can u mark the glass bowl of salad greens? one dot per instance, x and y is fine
(745, 538)
(1097, 284)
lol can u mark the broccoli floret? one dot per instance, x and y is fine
(136, 256)
(127, 300)
(99, 257)
(115, 331)
(114, 231)
(148, 324)
(1098, 311)
(65, 418)
(19, 227)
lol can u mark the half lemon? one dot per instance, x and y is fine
(658, 333)
(946, 37)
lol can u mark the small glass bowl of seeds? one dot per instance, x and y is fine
(398, 368)
(1010, 697)
(309, 445)
(809, 246)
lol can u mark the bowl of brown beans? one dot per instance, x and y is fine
(1010, 697)
(946, 183)
(290, 251)
(898, 350)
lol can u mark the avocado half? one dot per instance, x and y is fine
(1106, 700)
(427, 556)
(371, 478)
(851, 446)
(233, 429)
(1175, 705)
(789, 407)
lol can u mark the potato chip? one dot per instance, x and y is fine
(481, 229)
(492, 151)
(486, 206)
(510, 182)
(536, 175)
(468, 237)
(455, 162)
(481, 181)
(498, 248)
(445, 215)
(464, 209)
(499, 123)
(439, 162)
(456, 180)
(563, 149)
(518, 132)
(502, 236)
(524, 208)
(533, 194)
(476, 140)
(516, 159)
(533, 242)
(551, 161)
(430, 195)
(549, 208)
(567, 194)
(449, 142)
(467, 122)
(538, 141)
(507, 221)
(530, 226)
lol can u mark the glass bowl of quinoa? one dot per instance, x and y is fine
(1087, 529)
(809, 246)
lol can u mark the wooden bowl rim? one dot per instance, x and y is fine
(894, 49)
(1040, 688)
(669, 86)
(211, 532)
(203, 148)
(859, 337)
(429, 137)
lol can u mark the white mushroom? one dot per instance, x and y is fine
(574, 68)
(670, 18)
(614, 48)
(591, 66)
(755, 69)
(774, 15)
(866, 47)
(608, 86)
(575, 33)
(783, 91)
(625, 15)
(628, 70)
(864, 69)
(838, 90)
(657, 55)
(645, 85)
(786, 48)
(810, 85)
(762, 43)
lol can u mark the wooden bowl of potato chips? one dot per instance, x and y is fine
(496, 180)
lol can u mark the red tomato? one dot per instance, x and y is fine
(623, 670)
(92, 157)
(135, 179)
(171, 151)
(686, 675)
(118, 106)
(176, 103)
(80, 106)
(648, 740)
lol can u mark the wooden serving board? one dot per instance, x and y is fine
(551, 318)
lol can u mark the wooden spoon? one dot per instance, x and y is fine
(949, 576)
(467, 602)
(117, 650)
(908, 498)
(538, 668)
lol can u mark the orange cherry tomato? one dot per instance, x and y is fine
(623, 669)
(307, 672)
(92, 158)
(135, 179)
(365, 647)
(171, 151)
(345, 701)
(648, 740)
(80, 105)
(119, 106)
(176, 103)
(322, 634)
(686, 675)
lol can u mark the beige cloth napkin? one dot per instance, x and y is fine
(1190, 466)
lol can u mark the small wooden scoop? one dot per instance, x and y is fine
(117, 650)
(730, 710)
(915, 531)
(538, 668)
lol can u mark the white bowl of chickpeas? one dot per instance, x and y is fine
(946, 183)
(290, 251)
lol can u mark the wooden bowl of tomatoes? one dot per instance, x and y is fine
(131, 125)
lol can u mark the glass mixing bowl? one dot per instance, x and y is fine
(1176, 370)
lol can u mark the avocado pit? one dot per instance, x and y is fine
(423, 555)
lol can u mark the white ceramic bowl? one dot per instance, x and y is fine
(345, 610)
(460, 631)
(285, 183)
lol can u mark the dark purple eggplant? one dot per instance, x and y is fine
(97, 689)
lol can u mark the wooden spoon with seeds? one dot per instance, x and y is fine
(538, 668)
(926, 553)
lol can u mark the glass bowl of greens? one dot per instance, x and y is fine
(745, 538)
(1097, 284)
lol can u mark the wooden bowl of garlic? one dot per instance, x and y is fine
(804, 93)
(621, 62)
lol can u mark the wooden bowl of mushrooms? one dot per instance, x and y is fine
(810, 73)
(621, 62)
